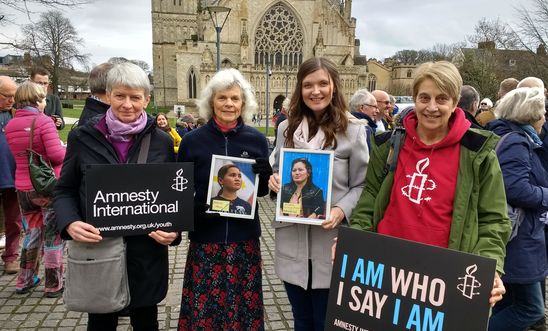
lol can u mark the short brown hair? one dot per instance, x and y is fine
(507, 85)
(39, 71)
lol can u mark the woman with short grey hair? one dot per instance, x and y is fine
(117, 138)
(222, 287)
(521, 116)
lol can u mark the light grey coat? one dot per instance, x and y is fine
(298, 243)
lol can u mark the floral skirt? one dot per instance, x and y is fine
(222, 288)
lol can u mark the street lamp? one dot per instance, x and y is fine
(268, 73)
(218, 15)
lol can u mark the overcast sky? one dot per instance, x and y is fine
(123, 27)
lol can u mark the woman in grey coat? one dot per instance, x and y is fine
(318, 120)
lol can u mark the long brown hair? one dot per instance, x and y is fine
(334, 119)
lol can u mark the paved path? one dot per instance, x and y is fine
(33, 311)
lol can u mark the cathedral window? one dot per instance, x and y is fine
(409, 73)
(191, 84)
(279, 38)
(372, 85)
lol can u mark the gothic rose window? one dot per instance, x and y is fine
(279, 38)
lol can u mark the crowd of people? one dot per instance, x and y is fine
(486, 161)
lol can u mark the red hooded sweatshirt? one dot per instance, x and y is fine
(421, 201)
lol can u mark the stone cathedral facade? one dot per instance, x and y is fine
(265, 39)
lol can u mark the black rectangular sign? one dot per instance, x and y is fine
(132, 199)
(381, 283)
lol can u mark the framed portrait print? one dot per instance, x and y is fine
(233, 186)
(305, 193)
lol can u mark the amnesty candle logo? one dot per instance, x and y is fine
(179, 181)
(132, 199)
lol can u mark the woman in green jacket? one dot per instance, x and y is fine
(444, 185)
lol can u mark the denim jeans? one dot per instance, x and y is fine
(520, 307)
(309, 307)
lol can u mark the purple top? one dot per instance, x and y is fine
(121, 147)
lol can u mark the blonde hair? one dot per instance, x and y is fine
(444, 74)
(29, 94)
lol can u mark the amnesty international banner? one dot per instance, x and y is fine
(132, 199)
(381, 283)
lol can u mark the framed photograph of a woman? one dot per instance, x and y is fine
(232, 187)
(306, 186)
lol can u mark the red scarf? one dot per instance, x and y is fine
(224, 127)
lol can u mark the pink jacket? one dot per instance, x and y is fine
(45, 141)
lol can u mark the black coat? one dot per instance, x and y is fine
(91, 109)
(198, 146)
(312, 198)
(147, 260)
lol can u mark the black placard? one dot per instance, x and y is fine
(132, 199)
(381, 283)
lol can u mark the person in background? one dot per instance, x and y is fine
(383, 104)
(364, 106)
(190, 122)
(460, 164)
(318, 120)
(39, 221)
(394, 108)
(282, 116)
(535, 82)
(200, 122)
(469, 101)
(8, 195)
(54, 109)
(521, 115)
(505, 86)
(97, 103)
(163, 123)
(223, 267)
(485, 105)
(116, 138)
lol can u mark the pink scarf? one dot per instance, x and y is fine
(124, 132)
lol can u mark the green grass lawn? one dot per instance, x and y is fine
(79, 104)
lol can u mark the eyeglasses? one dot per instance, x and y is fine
(368, 105)
(385, 102)
(7, 96)
(483, 104)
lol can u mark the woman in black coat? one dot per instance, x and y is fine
(302, 191)
(114, 139)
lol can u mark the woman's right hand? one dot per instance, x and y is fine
(274, 183)
(84, 232)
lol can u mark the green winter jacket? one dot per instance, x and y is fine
(480, 221)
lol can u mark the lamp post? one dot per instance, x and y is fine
(267, 101)
(218, 15)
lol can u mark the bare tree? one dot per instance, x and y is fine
(436, 53)
(54, 44)
(532, 30)
(22, 5)
(496, 31)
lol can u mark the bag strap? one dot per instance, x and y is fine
(143, 152)
(397, 138)
(31, 136)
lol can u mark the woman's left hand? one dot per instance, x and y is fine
(497, 291)
(335, 218)
(162, 237)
